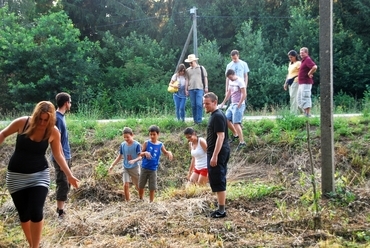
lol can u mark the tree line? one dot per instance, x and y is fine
(117, 56)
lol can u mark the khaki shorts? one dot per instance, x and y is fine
(131, 175)
(304, 96)
(148, 175)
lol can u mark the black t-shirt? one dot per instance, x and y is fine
(217, 123)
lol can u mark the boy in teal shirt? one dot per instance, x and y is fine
(130, 152)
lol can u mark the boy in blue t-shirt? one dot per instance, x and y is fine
(130, 152)
(151, 153)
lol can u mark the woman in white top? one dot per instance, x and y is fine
(179, 97)
(198, 172)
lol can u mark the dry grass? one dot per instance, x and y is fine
(97, 216)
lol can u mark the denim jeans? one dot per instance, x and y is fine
(179, 107)
(196, 100)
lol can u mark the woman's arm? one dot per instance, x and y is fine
(15, 126)
(172, 82)
(191, 168)
(186, 84)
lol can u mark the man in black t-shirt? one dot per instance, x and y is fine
(218, 151)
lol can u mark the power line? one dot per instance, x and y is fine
(202, 17)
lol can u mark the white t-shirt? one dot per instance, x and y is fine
(235, 87)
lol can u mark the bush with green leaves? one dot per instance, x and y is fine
(42, 58)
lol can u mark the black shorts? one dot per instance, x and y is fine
(217, 174)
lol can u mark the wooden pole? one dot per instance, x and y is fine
(326, 97)
(185, 48)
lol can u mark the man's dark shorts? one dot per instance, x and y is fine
(217, 174)
(63, 186)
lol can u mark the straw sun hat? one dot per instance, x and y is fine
(191, 58)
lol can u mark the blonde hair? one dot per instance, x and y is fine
(41, 108)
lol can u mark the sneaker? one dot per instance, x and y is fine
(241, 146)
(307, 115)
(233, 138)
(216, 214)
(61, 213)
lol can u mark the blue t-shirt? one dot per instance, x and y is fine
(155, 151)
(62, 126)
(130, 152)
(240, 68)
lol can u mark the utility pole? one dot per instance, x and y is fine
(193, 11)
(182, 56)
(193, 30)
(326, 95)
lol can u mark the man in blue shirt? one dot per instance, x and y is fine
(64, 103)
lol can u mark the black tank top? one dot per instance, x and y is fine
(29, 156)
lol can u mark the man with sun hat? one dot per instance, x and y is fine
(197, 85)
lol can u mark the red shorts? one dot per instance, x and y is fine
(202, 172)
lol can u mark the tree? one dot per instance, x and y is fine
(46, 58)
(265, 78)
(349, 76)
(355, 17)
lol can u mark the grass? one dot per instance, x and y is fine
(251, 190)
(269, 191)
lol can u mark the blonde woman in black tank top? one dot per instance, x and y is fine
(28, 176)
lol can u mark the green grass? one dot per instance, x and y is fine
(251, 190)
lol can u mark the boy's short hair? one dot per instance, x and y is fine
(127, 130)
(230, 72)
(153, 128)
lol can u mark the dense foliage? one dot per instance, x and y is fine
(118, 56)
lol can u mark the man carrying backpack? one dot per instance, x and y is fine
(197, 85)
